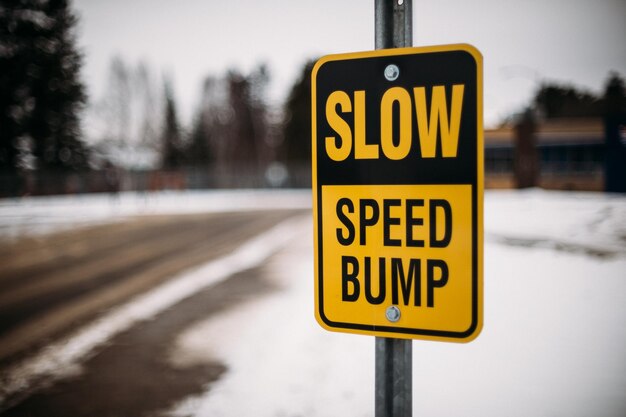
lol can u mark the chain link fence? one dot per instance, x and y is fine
(113, 180)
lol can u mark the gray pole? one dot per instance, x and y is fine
(394, 357)
(394, 377)
(394, 27)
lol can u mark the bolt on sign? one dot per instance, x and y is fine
(398, 192)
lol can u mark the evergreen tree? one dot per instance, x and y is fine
(199, 151)
(297, 130)
(614, 121)
(205, 126)
(258, 81)
(615, 96)
(554, 100)
(172, 137)
(243, 132)
(40, 91)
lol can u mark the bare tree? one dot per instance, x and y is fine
(124, 125)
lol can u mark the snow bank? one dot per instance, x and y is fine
(586, 222)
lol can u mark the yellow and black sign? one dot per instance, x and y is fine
(398, 192)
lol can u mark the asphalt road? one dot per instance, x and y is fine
(52, 285)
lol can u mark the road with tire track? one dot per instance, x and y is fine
(54, 284)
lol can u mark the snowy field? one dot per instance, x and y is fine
(553, 341)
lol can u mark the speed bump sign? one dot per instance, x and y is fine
(397, 143)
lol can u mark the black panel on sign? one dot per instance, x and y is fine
(416, 70)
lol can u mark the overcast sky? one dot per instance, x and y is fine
(523, 42)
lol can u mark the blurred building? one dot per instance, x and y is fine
(569, 152)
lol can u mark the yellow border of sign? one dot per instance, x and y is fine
(480, 180)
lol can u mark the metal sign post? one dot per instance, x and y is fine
(394, 27)
(394, 357)
(397, 196)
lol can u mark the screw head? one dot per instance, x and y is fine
(392, 72)
(392, 314)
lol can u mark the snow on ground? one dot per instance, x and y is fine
(553, 341)
(574, 221)
(281, 363)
